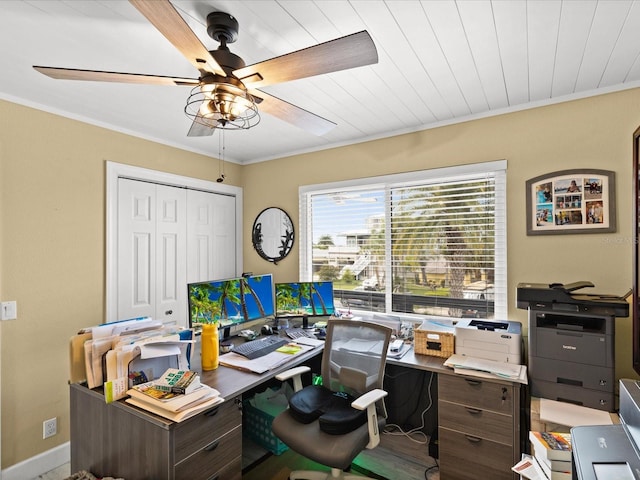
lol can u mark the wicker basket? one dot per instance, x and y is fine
(434, 340)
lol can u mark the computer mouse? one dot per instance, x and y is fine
(266, 330)
(321, 333)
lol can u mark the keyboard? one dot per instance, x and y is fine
(295, 333)
(260, 347)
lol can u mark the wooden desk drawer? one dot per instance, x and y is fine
(464, 457)
(474, 421)
(476, 393)
(195, 433)
(221, 459)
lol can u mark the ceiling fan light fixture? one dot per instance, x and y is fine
(222, 105)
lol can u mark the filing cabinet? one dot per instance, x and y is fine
(478, 428)
(123, 441)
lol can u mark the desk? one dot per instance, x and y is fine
(478, 428)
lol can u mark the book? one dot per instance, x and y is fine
(545, 472)
(178, 381)
(554, 465)
(146, 392)
(551, 445)
(205, 404)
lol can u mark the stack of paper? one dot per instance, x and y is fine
(111, 353)
(266, 362)
(487, 368)
(175, 407)
(571, 415)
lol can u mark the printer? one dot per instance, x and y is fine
(605, 452)
(571, 342)
(489, 339)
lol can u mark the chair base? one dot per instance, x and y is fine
(333, 474)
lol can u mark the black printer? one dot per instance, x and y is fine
(572, 343)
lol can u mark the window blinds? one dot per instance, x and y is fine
(430, 242)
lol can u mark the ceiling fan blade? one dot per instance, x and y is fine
(163, 15)
(100, 76)
(198, 129)
(352, 51)
(290, 113)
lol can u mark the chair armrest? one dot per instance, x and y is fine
(368, 402)
(363, 401)
(295, 374)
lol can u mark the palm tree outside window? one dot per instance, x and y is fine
(429, 243)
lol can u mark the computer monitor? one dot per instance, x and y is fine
(231, 301)
(304, 299)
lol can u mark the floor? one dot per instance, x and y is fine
(388, 461)
(396, 458)
(59, 473)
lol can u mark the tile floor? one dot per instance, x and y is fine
(59, 473)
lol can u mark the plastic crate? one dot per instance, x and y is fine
(434, 340)
(256, 424)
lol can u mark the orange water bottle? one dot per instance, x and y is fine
(210, 346)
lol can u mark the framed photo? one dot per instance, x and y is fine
(571, 201)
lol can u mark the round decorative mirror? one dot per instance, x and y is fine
(272, 234)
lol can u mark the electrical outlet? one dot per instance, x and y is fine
(49, 427)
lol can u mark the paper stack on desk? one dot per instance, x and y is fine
(119, 354)
(487, 368)
(261, 364)
(177, 408)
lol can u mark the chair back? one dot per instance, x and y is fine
(354, 357)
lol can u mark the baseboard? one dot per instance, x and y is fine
(38, 465)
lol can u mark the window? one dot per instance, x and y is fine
(431, 242)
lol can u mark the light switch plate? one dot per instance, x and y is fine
(8, 311)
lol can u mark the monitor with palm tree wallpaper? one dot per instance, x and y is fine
(231, 301)
(304, 299)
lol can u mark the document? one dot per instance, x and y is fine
(99, 348)
(478, 373)
(177, 416)
(504, 370)
(312, 342)
(527, 468)
(261, 364)
(78, 372)
(178, 403)
(571, 415)
(360, 345)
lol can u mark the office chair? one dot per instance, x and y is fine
(352, 372)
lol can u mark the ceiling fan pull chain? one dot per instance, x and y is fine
(220, 178)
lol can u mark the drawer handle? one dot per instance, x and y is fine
(211, 413)
(215, 477)
(473, 439)
(473, 382)
(473, 411)
(212, 446)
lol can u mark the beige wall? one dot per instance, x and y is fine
(590, 133)
(52, 207)
(53, 255)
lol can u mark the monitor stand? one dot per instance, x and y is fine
(305, 323)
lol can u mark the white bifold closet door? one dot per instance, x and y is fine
(168, 237)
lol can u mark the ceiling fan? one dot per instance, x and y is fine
(226, 95)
